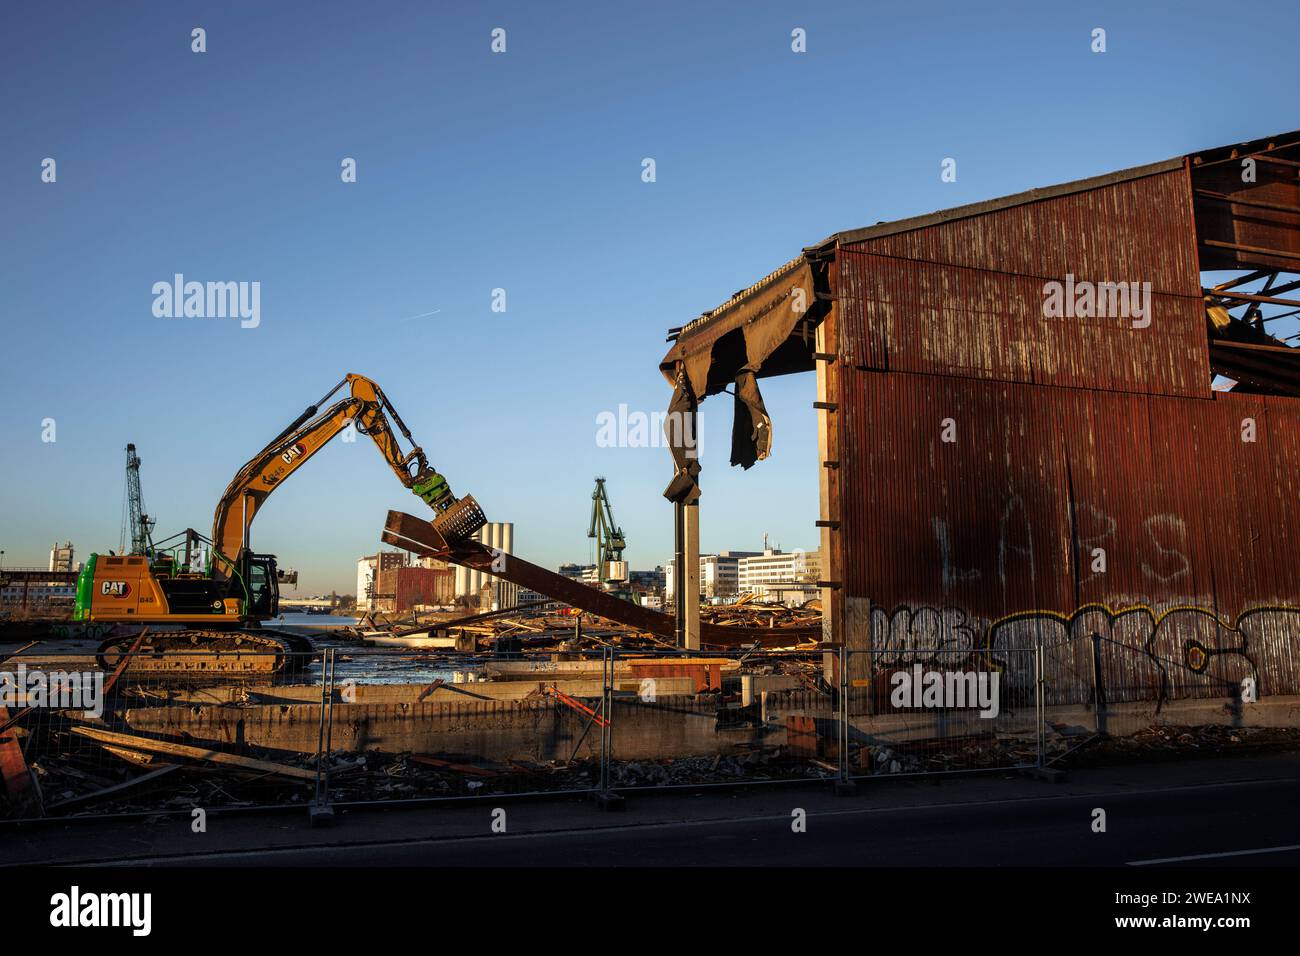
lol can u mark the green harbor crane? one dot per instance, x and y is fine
(610, 542)
(136, 525)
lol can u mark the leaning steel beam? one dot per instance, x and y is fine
(414, 534)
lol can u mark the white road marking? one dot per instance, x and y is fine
(1215, 856)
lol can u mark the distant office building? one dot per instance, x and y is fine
(61, 557)
(586, 573)
(543, 602)
(27, 589)
(647, 580)
(719, 575)
(787, 577)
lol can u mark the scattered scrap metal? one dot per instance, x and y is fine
(546, 625)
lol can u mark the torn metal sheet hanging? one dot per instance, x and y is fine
(751, 433)
(761, 331)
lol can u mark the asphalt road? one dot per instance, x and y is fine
(1251, 823)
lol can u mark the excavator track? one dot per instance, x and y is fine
(189, 654)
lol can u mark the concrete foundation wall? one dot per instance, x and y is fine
(538, 730)
(543, 730)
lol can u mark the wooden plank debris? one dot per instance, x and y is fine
(148, 744)
(159, 771)
(133, 756)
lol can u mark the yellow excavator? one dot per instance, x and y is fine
(208, 598)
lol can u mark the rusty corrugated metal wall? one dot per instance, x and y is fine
(1070, 435)
(966, 297)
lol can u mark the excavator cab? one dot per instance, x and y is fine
(263, 584)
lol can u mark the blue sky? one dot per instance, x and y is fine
(520, 171)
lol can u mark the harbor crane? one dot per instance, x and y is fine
(136, 524)
(610, 542)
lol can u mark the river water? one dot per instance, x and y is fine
(389, 665)
(298, 619)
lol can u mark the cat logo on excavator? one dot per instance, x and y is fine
(296, 450)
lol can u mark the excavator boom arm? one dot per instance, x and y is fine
(365, 407)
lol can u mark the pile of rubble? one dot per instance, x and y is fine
(547, 627)
(754, 765)
(747, 613)
(406, 776)
(71, 786)
(75, 783)
(1158, 743)
(972, 753)
(411, 776)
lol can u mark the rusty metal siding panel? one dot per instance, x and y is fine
(1139, 226)
(993, 535)
(966, 297)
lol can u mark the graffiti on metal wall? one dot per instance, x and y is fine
(1170, 651)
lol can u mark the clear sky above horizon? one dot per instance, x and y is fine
(520, 171)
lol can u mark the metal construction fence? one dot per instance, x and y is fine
(949, 711)
(81, 735)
